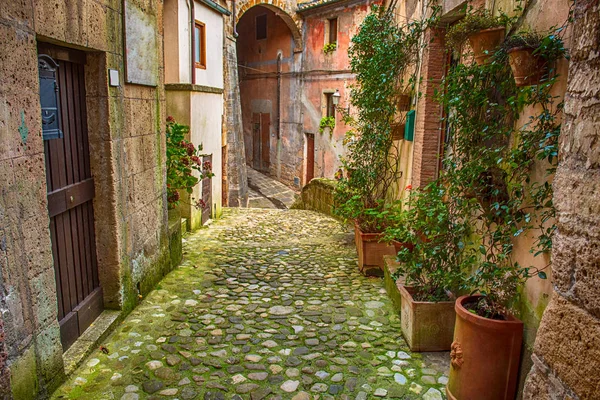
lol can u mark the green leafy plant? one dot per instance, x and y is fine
(473, 22)
(381, 55)
(551, 46)
(327, 122)
(440, 254)
(329, 48)
(183, 158)
(488, 169)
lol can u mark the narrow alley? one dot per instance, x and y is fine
(267, 192)
(267, 304)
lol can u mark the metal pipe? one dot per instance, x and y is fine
(279, 95)
(233, 17)
(192, 40)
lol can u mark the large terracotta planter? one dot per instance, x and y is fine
(484, 357)
(371, 252)
(426, 326)
(527, 68)
(485, 42)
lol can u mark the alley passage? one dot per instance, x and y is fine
(268, 304)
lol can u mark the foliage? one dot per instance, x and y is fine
(329, 48)
(438, 254)
(182, 159)
(382, 56)
(327, 122)
(473, 22)
(488, 167)
(550, 47)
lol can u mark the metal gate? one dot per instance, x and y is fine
(70, 189)
(207, 193)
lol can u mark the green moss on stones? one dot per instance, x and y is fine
(23, 376)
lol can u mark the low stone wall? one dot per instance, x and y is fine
(317, 195)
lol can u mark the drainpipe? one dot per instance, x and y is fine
(192, 40)
(279, 95)
(233, 16)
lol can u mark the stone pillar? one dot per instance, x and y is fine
(428, 111)
(237, 179)
(567, 348)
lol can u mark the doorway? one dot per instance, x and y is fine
(310, 157)
(70, 189)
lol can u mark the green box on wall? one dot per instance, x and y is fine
(409, 128)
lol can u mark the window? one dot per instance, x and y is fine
(199, 45)
(330, 109)
(333, 30)
(261, 27)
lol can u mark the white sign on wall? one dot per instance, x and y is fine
(141, 53)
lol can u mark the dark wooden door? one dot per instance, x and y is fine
(265, 143)
(70, 194)
(310, 157)
(207, 193)
(261, 141)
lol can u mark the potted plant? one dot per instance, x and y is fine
(531, 56)
(482, 30)
(381, 56)
(433, 267)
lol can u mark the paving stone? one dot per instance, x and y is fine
(267, 304)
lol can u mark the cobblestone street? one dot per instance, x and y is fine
(266, 192)
(267, 304)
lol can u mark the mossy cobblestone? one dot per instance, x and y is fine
(267, 304)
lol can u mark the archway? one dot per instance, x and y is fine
(270, 87)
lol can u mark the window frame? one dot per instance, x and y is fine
(201, 26)
(265, 16)
(329, 107)
(332, 33)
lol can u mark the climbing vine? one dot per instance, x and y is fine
(383, 56)
(489, 164)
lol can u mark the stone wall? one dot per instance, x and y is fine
(126, 144)
(317, 195)
(567, 348)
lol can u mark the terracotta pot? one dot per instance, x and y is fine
(426, 326)
(485, 42)
(371, 252)
(402, 245)
(484, 357)
(527, 68)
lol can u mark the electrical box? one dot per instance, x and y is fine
(409, 128)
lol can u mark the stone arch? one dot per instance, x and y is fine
(283, 10)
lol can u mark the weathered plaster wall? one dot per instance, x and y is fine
(258, 90)
(199, 105)
(567, 348)
(326, 73)
(126, 132)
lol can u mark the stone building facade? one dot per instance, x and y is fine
(567, 347)
(83, 184)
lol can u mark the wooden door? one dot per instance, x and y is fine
(70, 191)
(265, 139)
(310, 157)
(207, 193)
(261, 141)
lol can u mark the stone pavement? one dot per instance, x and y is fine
(267, 304)
(266, 192)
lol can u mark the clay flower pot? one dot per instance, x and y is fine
(426, 326)
(485, 356)
(485, 42)
(527, 68)
(371, 252)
